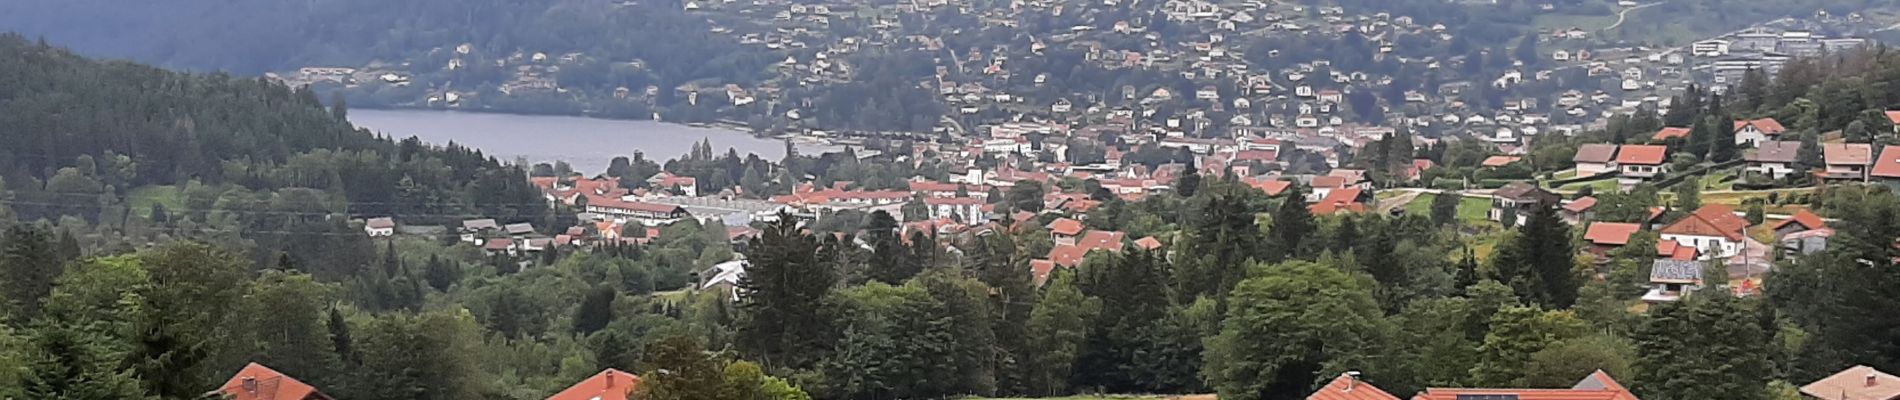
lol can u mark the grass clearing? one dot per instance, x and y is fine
(1471, 210)
(142, 199)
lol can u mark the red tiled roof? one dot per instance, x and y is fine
(1710, 220)
(1346, 387)
(1339, 199)
(1894, 117)
(258, 382)
(1067, 255)
(1807, 220)
(1581, 205)
(1671, 132)
(1858, 383)
(1766, 125)
(1611, 233)
(1499, 161)
(1597, 386)
(1102, 240)
(1040, 270)
(498, 244)
(1639, 154)
(611, 384)
(1273, 187)
(1888, 165)
(1329, 181)
(1148, 243)
(1065, 227)
(1848, 153)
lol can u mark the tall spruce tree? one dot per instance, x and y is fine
(782, 298)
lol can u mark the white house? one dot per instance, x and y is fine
(380, 227)
(1595, 158)
(967, 208)
(1714, 230)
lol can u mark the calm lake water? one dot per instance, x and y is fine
(588, 144)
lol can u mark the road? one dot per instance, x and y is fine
(1626, 12)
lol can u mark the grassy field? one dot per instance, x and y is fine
(142, 199)
(1470, 209)
(1601, 186)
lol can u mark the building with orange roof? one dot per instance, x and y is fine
(1857, 383)
(1500, 161)
(258, 382)
(1577, 211)
(1670, 132)
(1641, 162)
(1148, 243)
(1606, 236)
(1748, 132)
(1802, 220)
(1887, 166)
(1065, 230)
(1713, 230)
(1349, 200)
(1848, 161)
(1597, 386)
(1348, 387)
(611, 384)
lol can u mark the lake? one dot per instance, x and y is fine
(589, 144)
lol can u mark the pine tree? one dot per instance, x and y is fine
(782, 297)
(28, 266)
(1292, 225)
(1707, 347)
(1537, 262)
(596, 310)
(1056, 331)
(1444, 208)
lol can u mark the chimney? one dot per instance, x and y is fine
(1872, 379)
(250, 384)
(1354, 383)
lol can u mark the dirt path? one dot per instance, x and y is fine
(1397, 202)
(1626, 12)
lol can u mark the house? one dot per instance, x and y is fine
(258, 382)
(647, 213)
(1606, 236)
(1804, 242)
(1348, 387)
(1065, 230)
(1638, 163)
(380, 227)
(1343, 199)
(686, 185)
(1576, 212)
(1500, 161)
(962, 208)
(1772, 158)
(611, 384)
(1671, 279)
(1713, 230)
(1887, 167)
(1670, 132)
(474, 230)
(1597, 386)
(1751, 131)
(1513, 204)
(518, 230)
(1801, 221)
(1595, 158)
(1857, 383)
(1847, 161)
